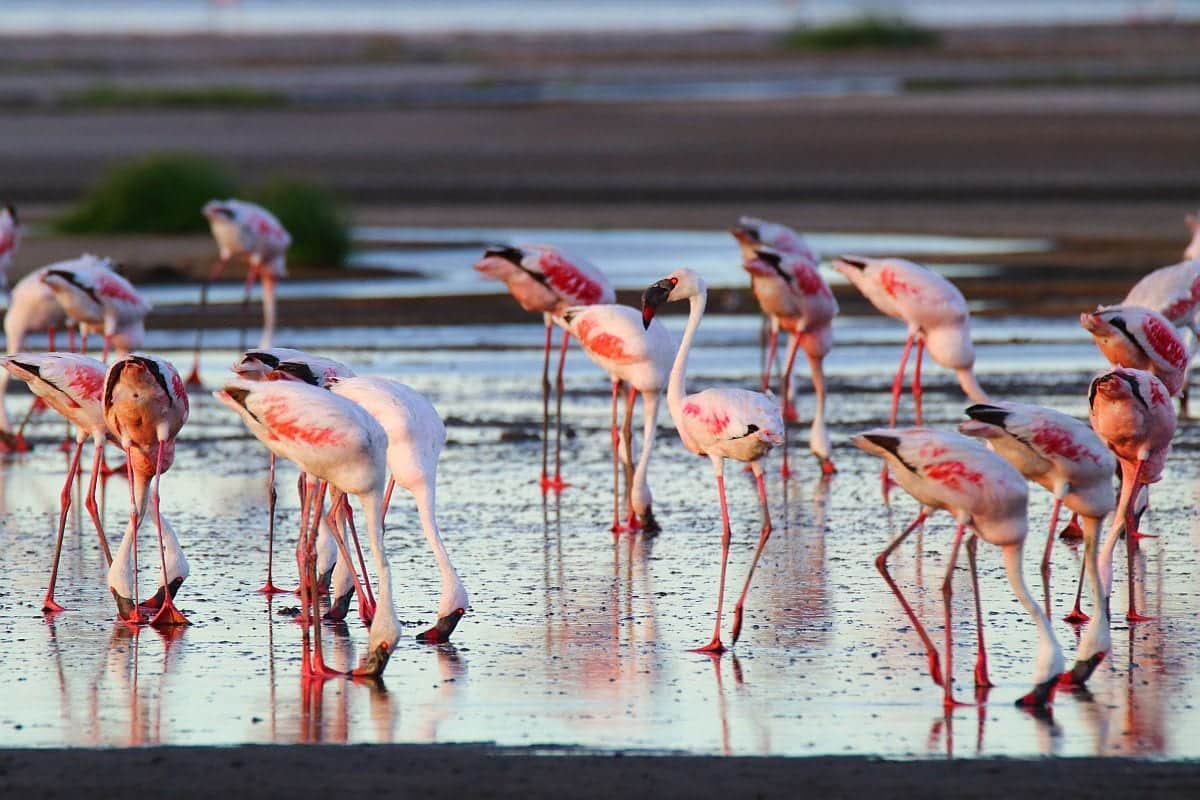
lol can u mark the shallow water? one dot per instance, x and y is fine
(574, 638)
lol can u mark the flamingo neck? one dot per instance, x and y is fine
(677, 387)
(970, 385)
(641, 487)
(268, 302)
(454, 595)
(1129, 488)
(1049, 661)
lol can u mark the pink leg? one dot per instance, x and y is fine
(1077, 616)
(947, 592)
(269, 587)
(71, 338)
(763, 535)
(715, 645)
(50, 339)
(916, 384)
(336, 505)
(558, 485)
(789, 411)
(772, 340)
(897, 385)
(358, 548)
(631, 520)
(616, 460)
(82, 343)
(194, 377)
(545, 480)
(90, 502)
(48, 605)
(935, 671)
(982, 681)
(168, 614)
(106, 348)
(1046, 554)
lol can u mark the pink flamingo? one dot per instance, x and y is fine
(337, 441)
(96, 298)
(32, 307)
(73, 386)
(616, 340)
(10, 240)
(1139, 338)
(145, 406)
(1174, 292)
(794, 296)
(753, 232)
(718, 423)
(415, 436)
(1192, 251)
(1065, 457)
(1132, 413)
(944, 470)
(542, 279)
(252, 232)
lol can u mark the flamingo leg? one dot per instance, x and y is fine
(916, 382)
(319, 670)
(772, 341)
(1046, 554)
(90, 502)
(1077, 616)
(558, 395)
(70, 337)
(168, 614)
(269, 587)
(251, 276)
(545, 480)
(785, 389)
(107, 347)
(362, 563)
(935, 671)
(817, 433)
(897, 385)
(616, 459)
(194, 377)
(947, 591)
(981, 669)
(631, 520)
(336, 500)
(48, 605)
(715, 645)
(763, 535)
(268, 301)
(50, 339)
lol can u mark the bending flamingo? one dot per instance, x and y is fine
(252, 232)
(10, 240)
(32, 307)
(1139, 338)
(944, 470)
(415, 436)
(1174, 292)
(96, 298)
(345, 448)
(73, 386)
(542, 279)
(794, 296)
(145, 406)
(1132, 413)
(718, 423)
(1060, 453)
(616, 340)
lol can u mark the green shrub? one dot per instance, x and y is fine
(107, 95)
(863, 32)
(156, 194)
(319, 228)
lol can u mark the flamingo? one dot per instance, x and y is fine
(1065, 457)
(72, 385)
(97, 298)
(1174, 292)
(1132, 413)
(1140, 338)
(945, 470)
(794, 296)
(936, 315)
(250, 231)
(1192, 251)
(145, 406)
(753, 232)
(32, 306)
(10, 240)
(415, 435)
(718, 423)
(616, 340)
(337, 441)
(542, 279)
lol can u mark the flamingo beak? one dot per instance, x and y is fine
(1080, 673)
(374, 663)
(655, 295)
(1042, 694)
(445, 626)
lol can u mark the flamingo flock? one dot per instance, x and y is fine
(359, 436)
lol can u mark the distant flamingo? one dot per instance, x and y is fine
(1132, 413)
(416, 436)
(1064, 456)
(145, 406)
(752, 232)
(542, 279)
(73, 385)
(341, 444)
(718, 423)
(1139, 338)
(944, 470)
(936, 315)
(616, 340)
(10, 240)
(1174, 292)
(794, 296)
(32, 306)
(250, 231)
(1192, 251)
(96, 298)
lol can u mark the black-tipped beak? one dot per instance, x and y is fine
(655, 295)
(744, 234)
(445, 626)
(1080, 673)
(1041, 695)
(374, 663)
(513, 254)
(854, 261)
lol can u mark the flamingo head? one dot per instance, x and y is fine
(851, 266)
(10, 211)
(442, 629)
(765, 262)
(679, 285)
(1115, 386)
(499, 261)
(255, 364)
(218, 211)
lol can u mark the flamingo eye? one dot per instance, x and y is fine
(674, 281)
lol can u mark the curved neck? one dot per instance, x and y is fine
(1049, 658)
(1096, 637)
(677, 387)
(451, 584)
(649, 431)
(970, 385)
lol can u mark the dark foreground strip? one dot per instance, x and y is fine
(481, 771)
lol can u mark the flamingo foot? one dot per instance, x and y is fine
(827, 467)
(633, 524)
(321, 671)
(374, 663)
(789, 413)
(982, 681)
(1076, 617)
(1134, 616)
(169, 615)
(445, 626)
(949, 703)
(270, 588)
(1138, 536)
(1078, 675)
(935, 668)
(50, 607)
(556, 484)
(1071, 532)
(1042, 694)
(714, 646)
(193, 379)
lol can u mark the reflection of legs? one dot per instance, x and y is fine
(48, 605)
(947, 593)
(935, 671)
(981, 670)
(631, 520)
(763, 535)
(545, 480)
(715, 645)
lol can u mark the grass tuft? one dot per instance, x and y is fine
(861, 33)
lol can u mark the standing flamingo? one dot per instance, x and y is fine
(345, 448)
(1192, 251)
(1132, 413)
(32, 306)
(1174, 292)
(792, 293)
(542, 279)
(97, 298)
(718, 423)
(1139, 338)
(145, 406)
(616, 340)
(1068, 459)
(250, 231)
(944, 470)
(415, 436)
(73, 386)
(10, 240)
